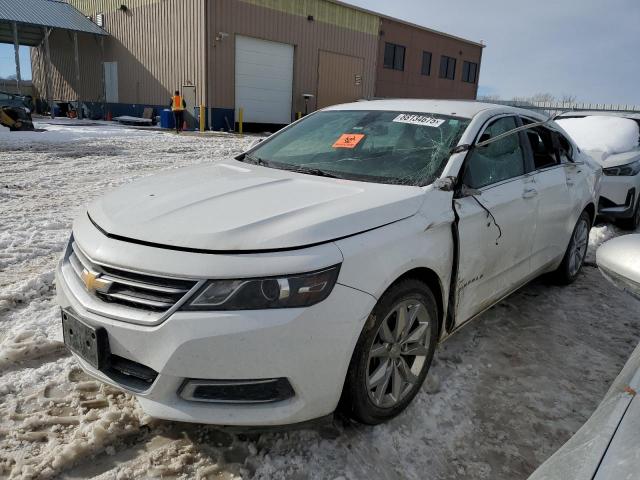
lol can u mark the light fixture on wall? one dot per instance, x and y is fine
(310, 18)
(221, 36)
(123, 8)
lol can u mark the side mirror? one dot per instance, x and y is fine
(619, 262)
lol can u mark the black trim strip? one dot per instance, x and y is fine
(229, 252)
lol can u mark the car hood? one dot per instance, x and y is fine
(234, 206)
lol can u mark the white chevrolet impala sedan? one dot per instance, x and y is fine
(321, 268)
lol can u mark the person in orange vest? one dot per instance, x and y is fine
(177, 106)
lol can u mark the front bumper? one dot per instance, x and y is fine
(310, 347)
(618, 196)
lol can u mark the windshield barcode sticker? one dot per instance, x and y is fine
(423, 120)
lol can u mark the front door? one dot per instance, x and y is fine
(495, 227)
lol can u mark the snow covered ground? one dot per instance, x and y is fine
(503, 395)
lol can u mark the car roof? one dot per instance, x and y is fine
(598, 113)
(455, 108)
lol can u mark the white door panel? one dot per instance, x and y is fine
(492, 264)
(496, 228)
(263, 80)
(554, 214)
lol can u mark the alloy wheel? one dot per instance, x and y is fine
(398, 353)
(579, 244)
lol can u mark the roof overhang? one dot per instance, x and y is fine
(33, 16)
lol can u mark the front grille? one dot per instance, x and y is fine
(135, 290)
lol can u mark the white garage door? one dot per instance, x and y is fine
(264, 80)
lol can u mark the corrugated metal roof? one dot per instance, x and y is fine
(47, 13)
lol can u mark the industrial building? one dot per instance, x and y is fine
(274, 59)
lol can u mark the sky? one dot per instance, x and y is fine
(8, 63)
(586, 48)
(589, 49)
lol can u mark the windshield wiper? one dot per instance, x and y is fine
(308, 171)
(255, 160)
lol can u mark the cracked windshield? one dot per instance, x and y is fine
(375, 146)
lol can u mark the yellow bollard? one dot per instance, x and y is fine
(202, 119)
(240, 118)
(298, 115)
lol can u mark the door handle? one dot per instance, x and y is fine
(529, 193)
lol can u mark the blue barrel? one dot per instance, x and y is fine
(166, 119)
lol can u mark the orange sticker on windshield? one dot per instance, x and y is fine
(348, 140)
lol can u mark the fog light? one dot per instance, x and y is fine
(237, 391)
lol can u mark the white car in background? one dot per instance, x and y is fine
(324, 265)
(612, 139)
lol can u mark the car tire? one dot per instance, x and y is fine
(384, 374)
(633, 222)
(576, 252)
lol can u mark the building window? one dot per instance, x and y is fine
(469, 72)
(426, 63)
(447, 67)
(394, 56)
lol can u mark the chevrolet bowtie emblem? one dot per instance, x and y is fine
(93, 282)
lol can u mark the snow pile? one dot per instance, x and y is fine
(605, 134)
(63, 133)
(54, 426)
(28, 344)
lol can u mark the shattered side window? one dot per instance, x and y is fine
(379, 146)
(497, 161)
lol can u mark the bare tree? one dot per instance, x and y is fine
(568, 98)
(542, 97)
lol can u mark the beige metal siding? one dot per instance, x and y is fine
(158, 45)
(339, 78)
(237, 17)
(410, 83)
(63, 71)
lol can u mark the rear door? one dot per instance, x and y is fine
(551, 186)
(496, 228)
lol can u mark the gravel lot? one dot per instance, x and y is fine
(504, 393)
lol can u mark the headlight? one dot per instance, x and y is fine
(624, 170)
(289, 291)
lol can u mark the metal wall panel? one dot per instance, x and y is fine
(158, 44)
(325, 12)
(228, 18)
(410, 83)
(63, 68)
